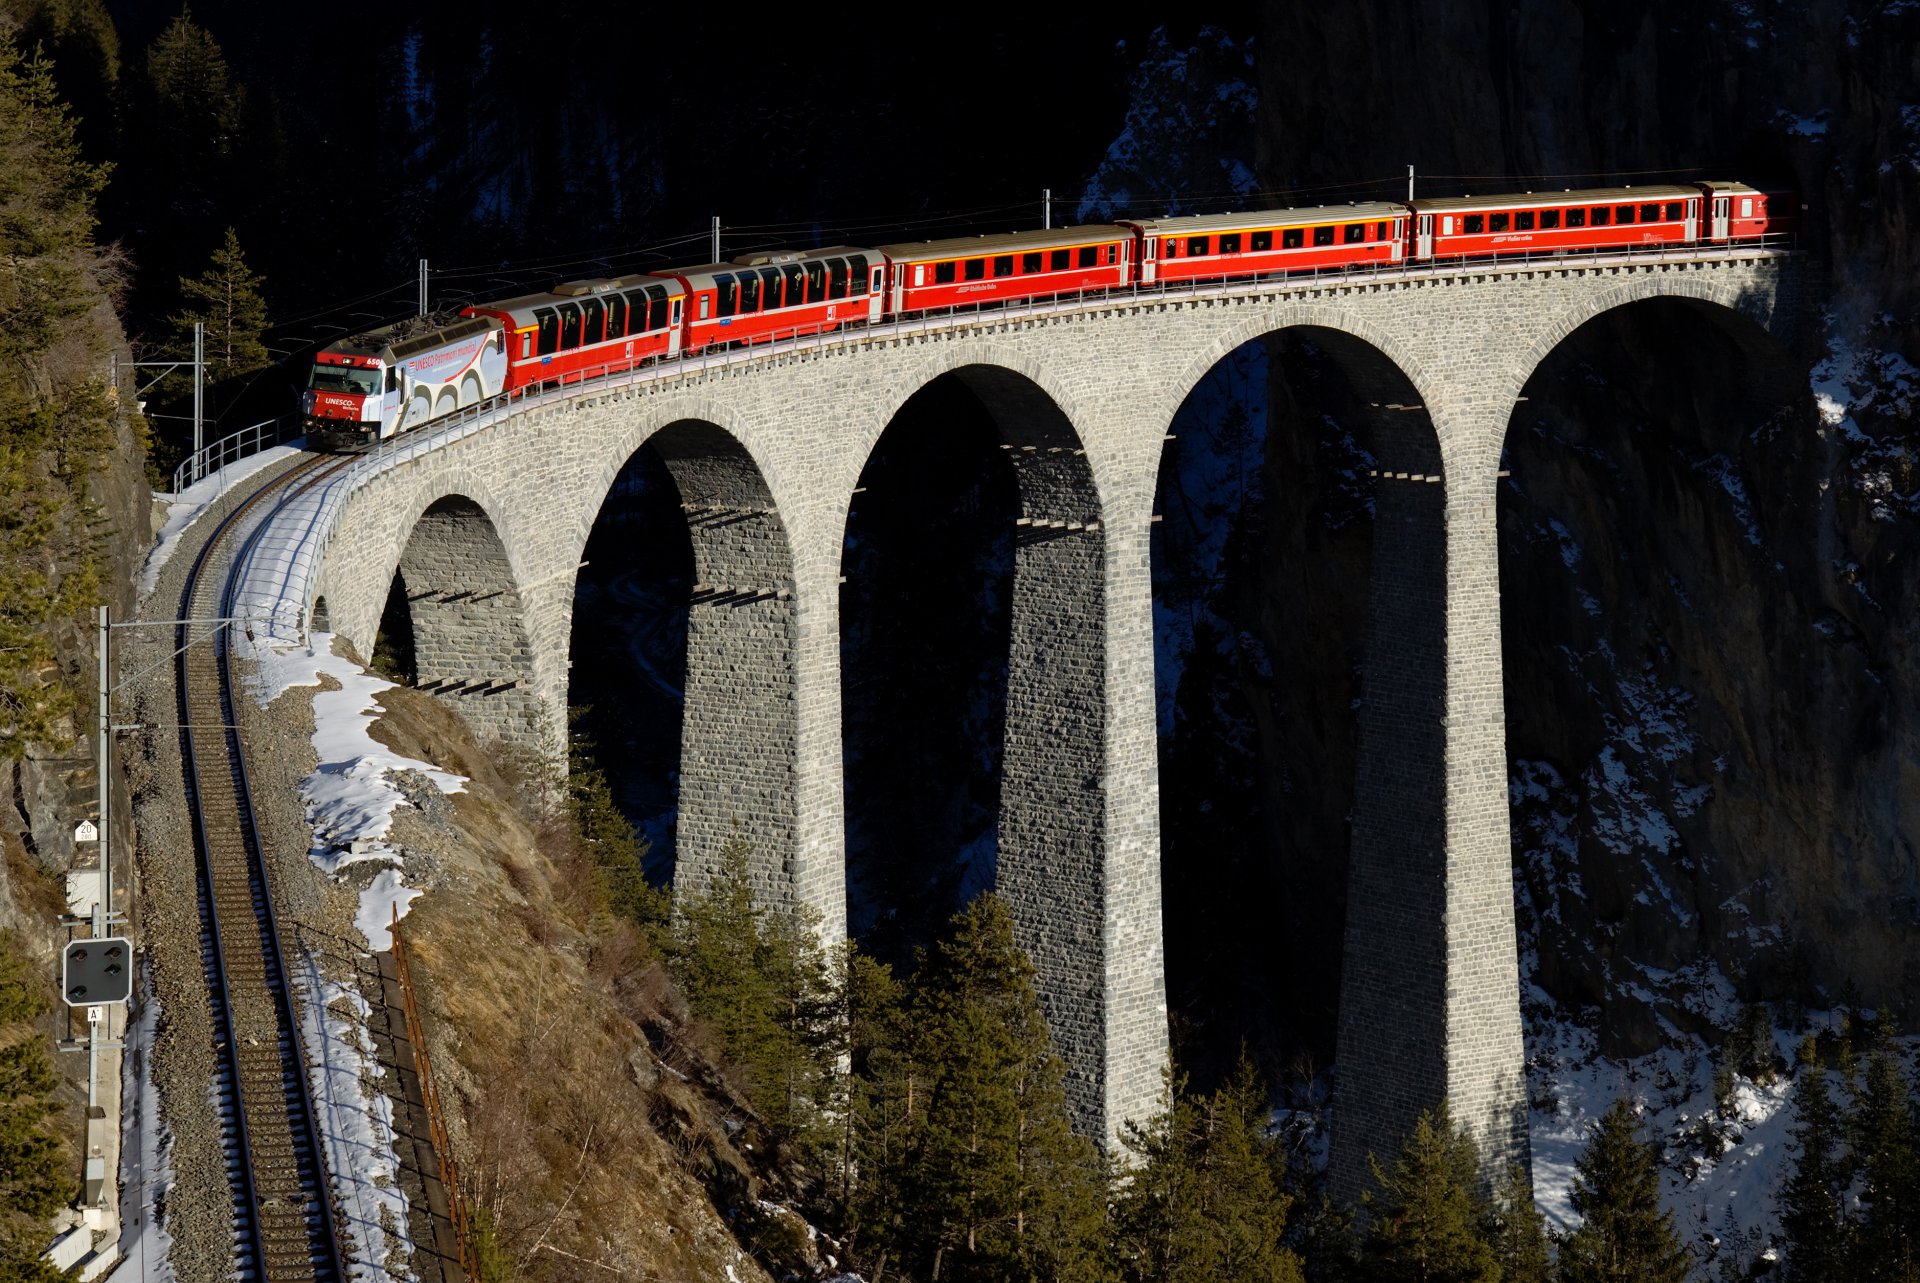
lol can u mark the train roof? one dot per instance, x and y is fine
(700, 276)
(970, 246)
(410, 337)
(521, 307)
(1589, 196)
(1257, 218)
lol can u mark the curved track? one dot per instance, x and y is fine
(282, 1201)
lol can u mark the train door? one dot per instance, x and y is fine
(1693, 218)
(1423, 247)
(878, 293)
(1149, 259)
(1722, 208)
(674, 327)
(1398, 249)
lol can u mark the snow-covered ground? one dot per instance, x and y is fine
(146, 1170)
(185, 508)
(350, 798)
(356, 1124)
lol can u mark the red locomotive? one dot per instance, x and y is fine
(585, 328)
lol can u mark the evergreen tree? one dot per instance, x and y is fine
(1519, 1232)
(1812, 1207)
(987, 1180)
(1887, 1244)
(226, 299)
(1206, 1199)
(618, 851)
(761, 982)
(184, 126)
(1625, 1237)
(1429, 1218)
(33, 1180)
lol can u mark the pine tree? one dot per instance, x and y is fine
(1887, 1244)
(1207, 1197)
(1812, 1210)
(760, 980)
(1625, 1237)
(1518, 1231)
(186, 125)
(1429, 1218)
(988, 1180)
(226, 299)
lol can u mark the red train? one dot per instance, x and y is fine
(372, 385)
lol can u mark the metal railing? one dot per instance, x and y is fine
(430, 1097)
(210, 459)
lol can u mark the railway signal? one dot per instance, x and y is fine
(97, 971)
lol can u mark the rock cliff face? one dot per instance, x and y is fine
(1706, 562)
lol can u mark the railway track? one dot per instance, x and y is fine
(283, 1211)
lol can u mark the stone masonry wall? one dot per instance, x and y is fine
(1431, 932)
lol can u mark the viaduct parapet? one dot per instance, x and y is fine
(485, 520)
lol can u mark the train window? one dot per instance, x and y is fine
(1293, 238)
(1601, 215)
(1262, 241)
(1003, 265)
(656, 306)
(569, 326)
(1549, 219)
(526, 350)
(706, 301)
(1622, 215)
(1496, 222)
(1673, 211)
(1031, 263)
(797, 284)
(817, 283)
(836, 278)
(726, 295)
(878, 273)
(1523, 221)
(1379, 232)
(616, 317)
(749, 286)
(975, 269)
(1473, 223)
(943, 273)
(1746, 207)
(1196, 245)
(593, 322)
(1173, 247)
(769, 288)
(1649, 213)
(1061, 260)
(549, 322)
(1576, 218)
(1323, 235)
(1113, 253)
(1230, 243)
(1355, 233)
(857, 274)
(1089, 256)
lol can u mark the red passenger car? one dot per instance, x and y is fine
(587, 327)
(760, 297)
(1536, 222)
(1736, 211)
(1284, 240)
(978, 269)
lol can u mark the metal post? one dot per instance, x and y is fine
(103, 912)
(423, 287)
(199, 379)
(1046, 207)
(716, 238)
(1409, 184)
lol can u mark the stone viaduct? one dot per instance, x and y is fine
(486, 520)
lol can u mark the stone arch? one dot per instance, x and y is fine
(468, 621)
(1051, 852)
(739, 724)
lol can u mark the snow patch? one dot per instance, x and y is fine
(186, 507)
(146, 1155)
(356, 1127)
(385, 900)
(350, 797)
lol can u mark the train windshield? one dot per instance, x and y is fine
(344, 378)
